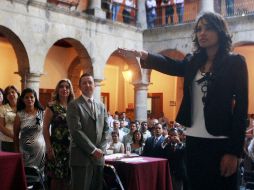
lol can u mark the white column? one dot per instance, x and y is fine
(95, 9)
(32, 80)
(97, 90)
(206, 5)
(140, 93)
(141, 14)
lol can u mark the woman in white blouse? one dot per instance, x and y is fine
(7, 116)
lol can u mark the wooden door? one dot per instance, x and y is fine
(45, 96)
(157, 104)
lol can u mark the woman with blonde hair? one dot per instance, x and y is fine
(57, 143)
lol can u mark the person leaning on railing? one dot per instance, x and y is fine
(129, 5)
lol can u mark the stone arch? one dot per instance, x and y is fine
(20, 52)
(79, 61)
(120, 91)
(246, 49)
(133, 65)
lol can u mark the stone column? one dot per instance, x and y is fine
(141, 15)
(206, 6)
(97, 90)
(95, 9)
(32, 80)
(140, 95)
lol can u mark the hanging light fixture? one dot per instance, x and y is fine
(127, 75)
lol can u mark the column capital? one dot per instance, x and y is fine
(97, 82)
(141, 85)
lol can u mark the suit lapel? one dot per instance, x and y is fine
(86, 107)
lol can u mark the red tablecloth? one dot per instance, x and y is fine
(147, 174)
(12, 172)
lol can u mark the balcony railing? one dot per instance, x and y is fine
(191, 10)
(125, 14)
(239, 7)
(65, 4)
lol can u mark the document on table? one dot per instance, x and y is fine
(133, 160)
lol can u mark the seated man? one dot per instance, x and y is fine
(127, 139)
(153, 146)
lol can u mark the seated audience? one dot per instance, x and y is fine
(28, 124)
(124, 118)
(174, 152)
(124, 128)
(163, 120)
(153, 146)
(127, 139)
(138, 143)
(165, 131)
(116, 146)
(144, 130)
(116, 126)
(137, 124)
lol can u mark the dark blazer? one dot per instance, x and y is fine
(175, 155)
(154, 151)
(88, 131)
(226, 103)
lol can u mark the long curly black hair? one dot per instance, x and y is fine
(218, 24)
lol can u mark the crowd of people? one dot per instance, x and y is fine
(42, 136)
(156, 137)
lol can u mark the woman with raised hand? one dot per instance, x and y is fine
(57, 144)
(214, 105)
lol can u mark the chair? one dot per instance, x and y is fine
(111, 179)
(34, 177)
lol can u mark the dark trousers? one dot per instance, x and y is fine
(7, 146)
(169, 13)
(87, 178)
(126, 16)
(203, 158)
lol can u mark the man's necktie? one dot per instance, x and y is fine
(91, 105)
(155, 141)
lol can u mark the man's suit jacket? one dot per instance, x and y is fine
(226, 103)
(88, 131)
(154, 151)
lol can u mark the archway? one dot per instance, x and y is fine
(73, 62)
(13, 59)
(118, 85)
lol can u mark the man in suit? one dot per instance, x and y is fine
(87, 121)
(153, 146)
